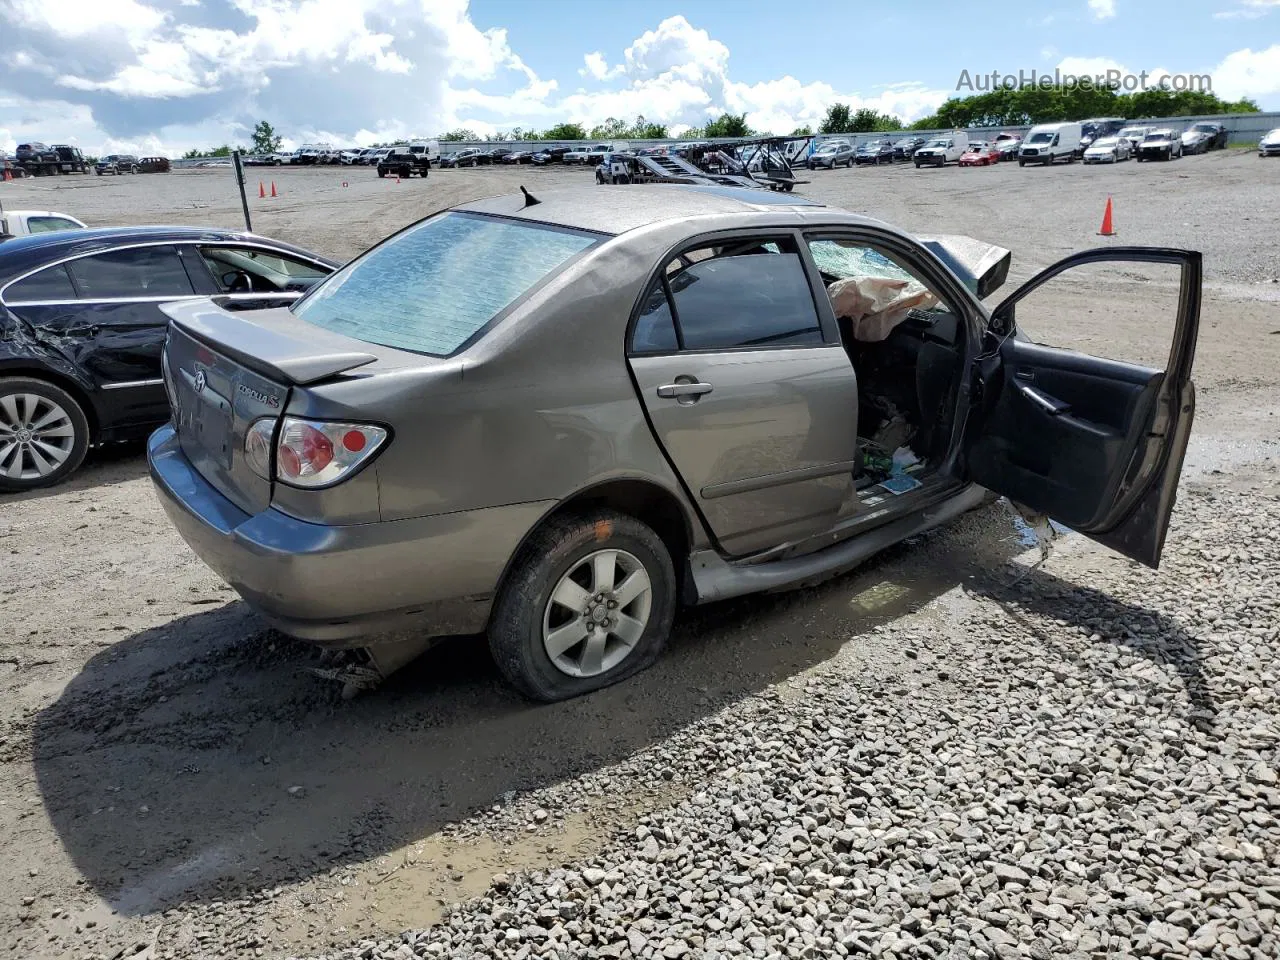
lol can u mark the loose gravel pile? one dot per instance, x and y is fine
(1081, 763)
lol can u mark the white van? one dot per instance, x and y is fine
(940, 150)
(1047, 142)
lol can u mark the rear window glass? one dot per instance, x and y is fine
(52, 283)
(435, 286)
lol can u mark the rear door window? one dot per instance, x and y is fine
(51, 283)
(125, 274)
(743, 294)
(436, 285)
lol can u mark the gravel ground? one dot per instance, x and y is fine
(1080, 763)
(175, 783)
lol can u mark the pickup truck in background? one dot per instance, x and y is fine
(21, 223)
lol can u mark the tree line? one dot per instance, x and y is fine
(998, 108)
(1026, 105)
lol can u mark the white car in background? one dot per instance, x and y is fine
(1269, 145)
(1108, 150)
(22, 223)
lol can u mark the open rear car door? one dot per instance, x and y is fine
(1095, 444)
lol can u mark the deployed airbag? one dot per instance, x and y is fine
(875, 305)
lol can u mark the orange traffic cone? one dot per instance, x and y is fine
(1107, 229)
(262, 190)
(273, 188)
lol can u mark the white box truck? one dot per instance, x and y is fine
(1047, 142)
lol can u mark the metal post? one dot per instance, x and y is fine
(244, 200)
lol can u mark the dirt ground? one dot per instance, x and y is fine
(166, 761)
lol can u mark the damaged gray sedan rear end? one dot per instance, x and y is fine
(556, 422)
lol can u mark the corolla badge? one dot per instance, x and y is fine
(265, 399)
(200, 381)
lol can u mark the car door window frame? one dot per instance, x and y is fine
(659, 274)
(916, 260)
(197, 264)
(139, 298)
(81, 298)
(1004, 317)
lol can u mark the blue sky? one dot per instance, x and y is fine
(859, 45)
(166, 75)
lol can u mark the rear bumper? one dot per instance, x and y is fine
(341, 586)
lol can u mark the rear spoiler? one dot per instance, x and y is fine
(271, 353)
(982, 267)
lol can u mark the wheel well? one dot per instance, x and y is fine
(647, 502)
(66, 383)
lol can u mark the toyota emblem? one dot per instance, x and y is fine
(200, 381)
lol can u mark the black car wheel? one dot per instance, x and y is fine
(381, 173)
(599, 178)
(44, 434)
(589, 601)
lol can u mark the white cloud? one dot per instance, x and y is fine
(1248, 10)
(82, 18)
(596, 67)
(1102, 9)
(1246, 73)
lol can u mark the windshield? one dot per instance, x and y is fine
(936, 143)
(1106, 142)
(1158, 135)
(1044, 136)
(1205, 128)
(434, 286)
(1133, 132)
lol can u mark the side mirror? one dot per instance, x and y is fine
(982, 267)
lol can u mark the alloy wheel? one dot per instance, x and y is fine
(36, 436)
(597, 613)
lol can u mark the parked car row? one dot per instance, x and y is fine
(121, 163)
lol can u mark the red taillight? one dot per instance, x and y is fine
(313, 453)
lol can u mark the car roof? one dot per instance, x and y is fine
(617, 210)
(23, 253)
(35, 213)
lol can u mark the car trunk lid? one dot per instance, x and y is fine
(223, 371)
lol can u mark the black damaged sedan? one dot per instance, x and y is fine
(81, 331)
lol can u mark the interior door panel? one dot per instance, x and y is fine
(1061, 434)
(1096, 444)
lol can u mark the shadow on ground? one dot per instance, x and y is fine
(1040, 596)
(166, 765)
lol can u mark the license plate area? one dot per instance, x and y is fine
(205, 418)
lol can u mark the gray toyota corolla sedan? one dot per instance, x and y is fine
(557, 420)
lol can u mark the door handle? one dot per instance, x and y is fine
(686, 390)
(1048, 404)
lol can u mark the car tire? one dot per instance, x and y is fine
(1021, 163)
(381, 173)
(51, 401)
(560, 552)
